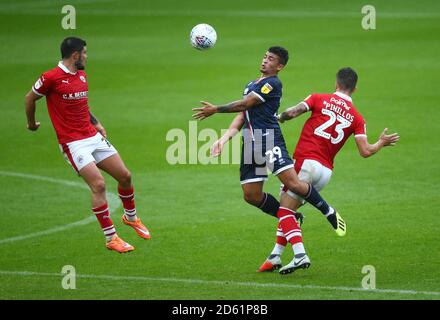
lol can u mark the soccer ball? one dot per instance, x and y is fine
(203, 36)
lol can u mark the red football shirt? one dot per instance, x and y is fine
(333, 120)
(67, 102)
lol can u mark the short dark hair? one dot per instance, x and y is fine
(283, 54)
(347, 79)
(71, 45)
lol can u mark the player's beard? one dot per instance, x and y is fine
(79, 65)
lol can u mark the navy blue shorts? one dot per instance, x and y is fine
(260, 155)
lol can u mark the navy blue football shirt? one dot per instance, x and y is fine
(264, 115)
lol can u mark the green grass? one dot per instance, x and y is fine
(144, 78)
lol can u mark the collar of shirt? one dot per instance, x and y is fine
(343, 96)
(64, 68)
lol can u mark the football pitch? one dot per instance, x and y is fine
(207, 243)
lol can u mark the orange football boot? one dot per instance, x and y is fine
(270, 265)
(138, 226)
(119, 245)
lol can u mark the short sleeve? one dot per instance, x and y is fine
(310, 101)
(360, 128)
(268, 89)
(42, 86)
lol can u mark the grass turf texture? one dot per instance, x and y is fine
(144, 78)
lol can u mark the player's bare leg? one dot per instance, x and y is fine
(115, 167)
(290, 202)
(253, 193)
(290, 179)
(93, 177)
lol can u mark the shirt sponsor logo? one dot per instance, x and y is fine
(340, 102)
(266, 88)
(76, 95)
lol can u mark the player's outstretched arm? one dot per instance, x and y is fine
(293, 112)
(367, 150)
(209, 109)
(98, 126)
(30, 99)
(234, 128)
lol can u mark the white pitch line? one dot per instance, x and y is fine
(220, 283)
(67, 183)
(113, 200)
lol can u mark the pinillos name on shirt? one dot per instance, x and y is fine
(75, 95)
(339, 107)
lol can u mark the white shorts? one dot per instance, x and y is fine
(313, 172)
(82, 152)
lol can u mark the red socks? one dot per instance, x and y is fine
(281, 240)
(127, 198)
(288, 226)
(103, 215)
